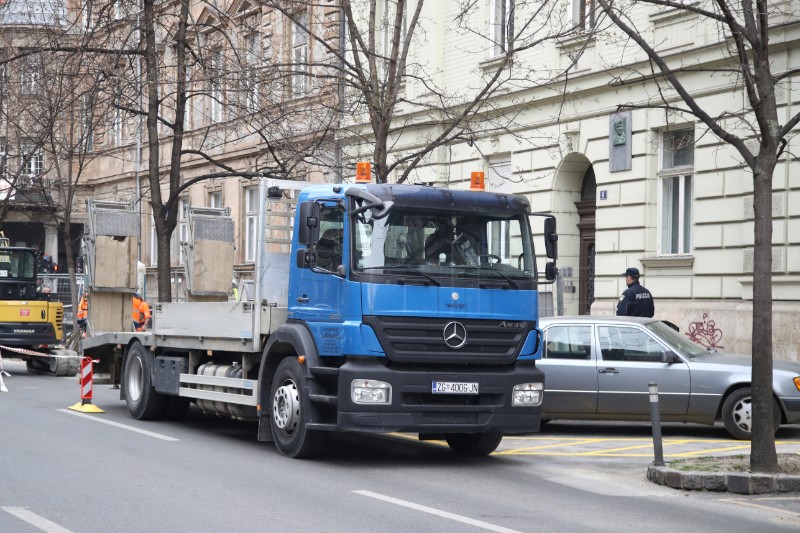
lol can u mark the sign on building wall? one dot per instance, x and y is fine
(620, 143)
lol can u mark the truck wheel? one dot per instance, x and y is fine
(474, 443)
(289, 412)
(737, 414)
(144, 403)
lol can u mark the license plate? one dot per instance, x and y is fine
(451, 387)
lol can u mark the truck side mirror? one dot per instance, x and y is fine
(550, 238)
(308, 228)
(550, 271)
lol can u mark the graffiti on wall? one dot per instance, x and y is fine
(705, 333)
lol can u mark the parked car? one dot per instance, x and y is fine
(599, 368)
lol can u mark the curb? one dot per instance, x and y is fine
(735, 482)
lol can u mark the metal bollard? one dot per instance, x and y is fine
(655, 419)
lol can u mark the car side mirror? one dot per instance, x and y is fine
(670, 358)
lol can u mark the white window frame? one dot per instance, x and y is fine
(500, 13)
(87, 14)
(3, 162)
(250, 223)
(34, 166)
(215, 199)
(583, 14)
(675, 182)
(299, 59)
(252, 64)
(87, 124)
(216, 87)
(153, 242)
(30, 78)
(183, 228)
(116, 127)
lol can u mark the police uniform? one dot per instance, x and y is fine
(636, 300)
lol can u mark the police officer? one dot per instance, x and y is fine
(636, 300)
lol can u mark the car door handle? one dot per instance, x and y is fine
(302, 299)
(608, 371)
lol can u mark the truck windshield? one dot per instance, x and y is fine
(17, 264)
(436, 246)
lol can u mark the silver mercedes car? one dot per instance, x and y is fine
(599, 368)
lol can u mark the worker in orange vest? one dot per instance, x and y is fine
(83, 310)
(140, 313)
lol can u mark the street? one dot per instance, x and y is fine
(64, 471)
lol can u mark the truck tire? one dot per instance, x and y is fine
(737, 414)
(474, 443)
(289, 408)
(144, 403)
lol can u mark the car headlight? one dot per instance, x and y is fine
(370, 391)
(527, 394)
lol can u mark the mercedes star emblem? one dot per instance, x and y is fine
(454, 335)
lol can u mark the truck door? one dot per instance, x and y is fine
(320, 288)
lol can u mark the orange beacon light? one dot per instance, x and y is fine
(476, 181)
(363, 172)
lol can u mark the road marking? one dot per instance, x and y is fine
(710, 450)
(746, 503)
(437, 512)
(527, 449)
(35, 520)
(118, 425)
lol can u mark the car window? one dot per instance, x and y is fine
(568, 342)
(619, 343)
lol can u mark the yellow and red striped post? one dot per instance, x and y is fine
(86, 388)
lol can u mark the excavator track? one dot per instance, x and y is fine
(58, 362)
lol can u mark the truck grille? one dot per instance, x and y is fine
(421, 340)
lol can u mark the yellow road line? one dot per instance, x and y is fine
(747, 503)
(557, 445)
(712, 450)
(622, 449)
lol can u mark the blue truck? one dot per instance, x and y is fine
(372, 308)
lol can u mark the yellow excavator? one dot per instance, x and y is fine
(31, 326)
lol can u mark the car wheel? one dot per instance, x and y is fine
(474, 443)
(289, 412)
(144, 403)
(737, 414)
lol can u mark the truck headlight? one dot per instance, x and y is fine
(370, 391)
(527, 394)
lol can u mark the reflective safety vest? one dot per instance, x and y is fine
(83, 308)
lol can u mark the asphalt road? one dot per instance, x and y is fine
(63, 471)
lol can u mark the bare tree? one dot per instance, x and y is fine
(191, 52)
(747, 32)
(49, 108)
(379, 53)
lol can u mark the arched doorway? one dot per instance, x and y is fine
(586, 207)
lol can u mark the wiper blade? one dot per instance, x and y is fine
(494, 271)
(405, 268)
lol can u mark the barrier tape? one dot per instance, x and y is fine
(31, 352)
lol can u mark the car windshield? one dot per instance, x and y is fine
(682, 344)
(438, 245)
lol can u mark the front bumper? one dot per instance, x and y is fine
(413, 408)
(792, 410)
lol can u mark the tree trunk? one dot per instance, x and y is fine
(763, 456)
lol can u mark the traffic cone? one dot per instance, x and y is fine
(85, 406)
